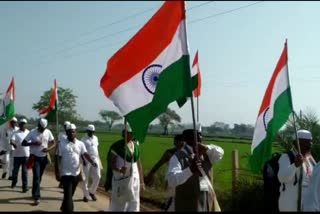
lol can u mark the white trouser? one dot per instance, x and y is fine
(95, 174)
(126, 206)
(8, 167)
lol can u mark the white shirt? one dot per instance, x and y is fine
(176, 176)
(312, 201)
(70, 156)
(44, 137)
(62, 135)
(2, 137)
(286, 174)
(18, 137)
(91, 144)
(9, 134)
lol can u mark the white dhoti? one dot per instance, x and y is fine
(133, 205)
(8, 166)
(94, 173)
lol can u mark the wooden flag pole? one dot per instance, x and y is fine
(298, 145)
(301, 168)
(197, 109)
(57, 117)
(195, 146)
(57, 113)
(125, 140)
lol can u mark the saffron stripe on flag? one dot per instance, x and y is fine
(137, 50)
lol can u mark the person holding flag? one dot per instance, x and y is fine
(125, 165)
(7, 112)
(184, 171)
(61, 136)
(143, 87)
(274, 112)
(289, 173)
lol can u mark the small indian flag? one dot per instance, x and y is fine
(50, 112)
(151, 70)
(196, 76)
(7, 109)
(273, 114)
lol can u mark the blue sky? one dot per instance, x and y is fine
(238, 51)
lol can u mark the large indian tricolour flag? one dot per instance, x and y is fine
(196, 76)
(7, 109)
(151, 70)
(50, 112)
(273, 114)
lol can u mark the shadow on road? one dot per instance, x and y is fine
(27, 200)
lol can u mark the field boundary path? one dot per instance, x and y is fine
(51, 197)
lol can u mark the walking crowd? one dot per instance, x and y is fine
(188, 177)
(30, 150)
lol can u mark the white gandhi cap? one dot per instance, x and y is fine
(91, 128)
(23, 121)
(43, 123)
(71, 126)
(66, 123)
(14, 119)
(304, 134)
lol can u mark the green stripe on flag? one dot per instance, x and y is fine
(51, 116)
(194, 85)
(194, 82)
(263, 152)
(174, 84)
(10, 111)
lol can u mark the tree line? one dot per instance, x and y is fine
(170, 121)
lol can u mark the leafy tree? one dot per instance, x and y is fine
(66, 104)
(168, 118)
(110, 117)
(304, 120)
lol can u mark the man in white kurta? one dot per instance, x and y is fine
(178, 175)
(91, 143)
(289, 174)
(312, 200)
(20, 156)
(70, 151)
(62, 135)
(9, 149)
(2, 146)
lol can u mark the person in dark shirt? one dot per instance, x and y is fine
(178, 144)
